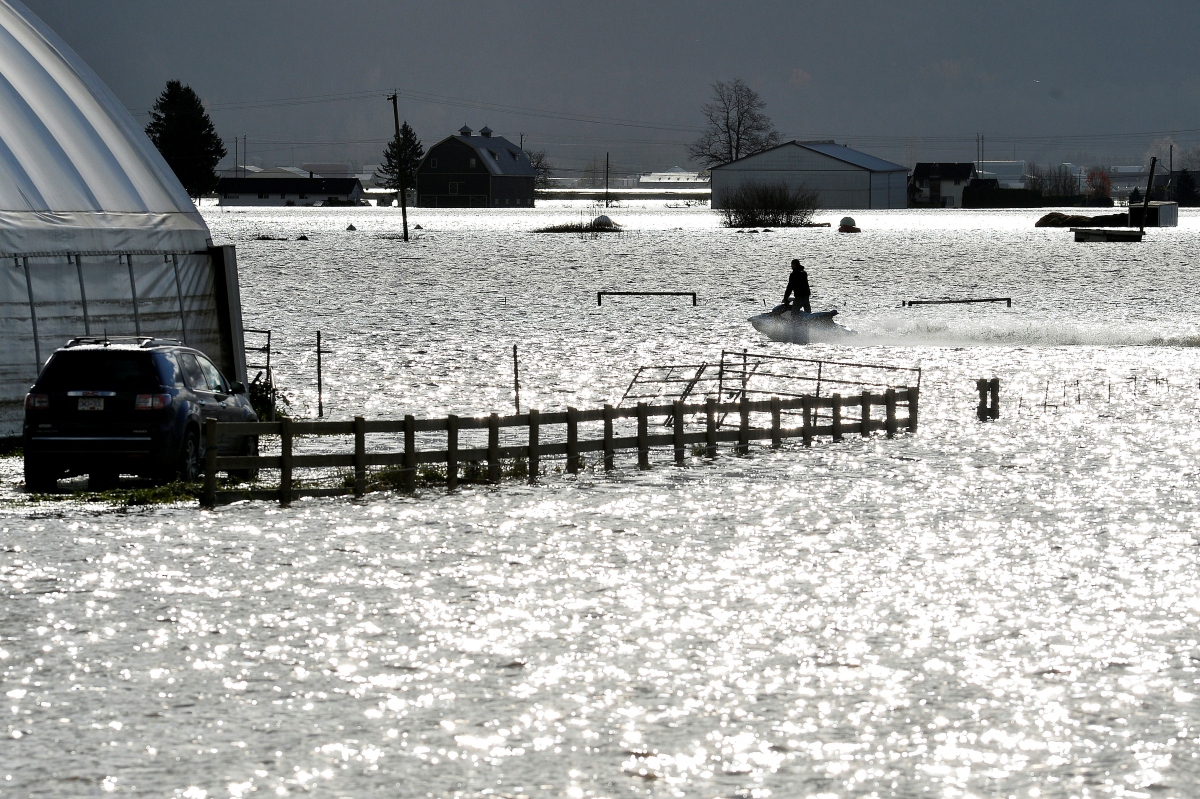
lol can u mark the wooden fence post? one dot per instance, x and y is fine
(981, 412)
(285, 461)
(837, 417)
(410, 453)
(866, 415)
(913, 401)
(710, 431)
(210, 463)
(494, 448)
(572, 441)
(806, 431)
(994, 391)
(360, 457)
(776, 422)
(743, 446)
(889, 399)
(642, 433)
(534, 453)
(451, 452)
(677, 433)
(608, 437)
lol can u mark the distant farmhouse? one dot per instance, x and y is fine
(288, 186)
(674, 178)
(940, 185)
(843, 178)
(475, 171)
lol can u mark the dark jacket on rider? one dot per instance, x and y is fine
(798, 285)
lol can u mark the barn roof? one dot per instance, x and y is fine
(76, 172)
(838, 151)
(501, 156)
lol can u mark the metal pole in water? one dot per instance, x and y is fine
(400, 167)
(320, 395)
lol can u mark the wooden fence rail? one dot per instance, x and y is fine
(287, 461)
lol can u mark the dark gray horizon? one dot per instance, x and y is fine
(1086, 82)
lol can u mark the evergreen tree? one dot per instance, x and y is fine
(1185, 190)
(1135, 196)
(411, 153)
(183, 133)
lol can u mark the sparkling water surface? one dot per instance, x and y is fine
(980, 609)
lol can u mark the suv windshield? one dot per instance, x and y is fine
(93, 370)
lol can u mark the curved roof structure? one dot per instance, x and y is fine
(77, 173)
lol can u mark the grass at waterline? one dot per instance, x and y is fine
(580, 227)
(168, 494)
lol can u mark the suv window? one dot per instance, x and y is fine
(216, 382)
(92, 370)
(193, 372)
(171, 371)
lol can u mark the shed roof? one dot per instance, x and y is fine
(76, 171)
(501, 156)
(296, 185)
(838, 151)
(943, 171)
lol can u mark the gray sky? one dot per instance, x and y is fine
(906, 81)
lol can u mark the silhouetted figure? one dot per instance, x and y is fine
(798, 285)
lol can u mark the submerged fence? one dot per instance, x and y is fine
(834, 416)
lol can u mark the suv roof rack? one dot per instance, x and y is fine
(141, 341)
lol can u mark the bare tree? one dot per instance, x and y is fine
(1190, 159)
(1098, 183)
(542, 169)
(737, 126)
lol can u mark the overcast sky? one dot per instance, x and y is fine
(907, 81)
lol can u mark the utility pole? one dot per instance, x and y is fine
(606, 180)
(235, 158)
(401, 165)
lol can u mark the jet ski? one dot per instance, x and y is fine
(791, 325)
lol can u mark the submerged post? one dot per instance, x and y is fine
(889, 399)
(677, 433)
(410, 453)
(981, 412)
(608, 437)
(572, 441)
(210, 463)
(743, 445)
(710, 431)
(285, 461)
(534, 453)
(806, 431)
(643, 446)
(776, 431)
(994, 392)
(320, 395)
(913, 393)
(837, 417)
(866, 415)
(516, 381)
(451, 452)
(360, 457)
(494, 448)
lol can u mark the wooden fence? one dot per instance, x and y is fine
(813, 424)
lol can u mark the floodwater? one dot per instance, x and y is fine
(980, 609)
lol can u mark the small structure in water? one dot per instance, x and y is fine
(847, 225)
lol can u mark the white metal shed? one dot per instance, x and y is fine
(96, 233)
(843, 178)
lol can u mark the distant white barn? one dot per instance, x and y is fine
(843, 178)
(96, 233)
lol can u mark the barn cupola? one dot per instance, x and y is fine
(486, 132)
(464, 131)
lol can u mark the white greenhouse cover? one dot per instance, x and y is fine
(77, 174)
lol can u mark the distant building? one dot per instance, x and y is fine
(475, 171)
(674, 178)
(293, 190)
(843, 178)
(940, 185)
(1007, 174)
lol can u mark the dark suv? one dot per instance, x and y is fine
(106, 407)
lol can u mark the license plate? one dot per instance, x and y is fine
(91, 403)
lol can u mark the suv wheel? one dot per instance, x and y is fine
(38, 478)
(188, 469)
